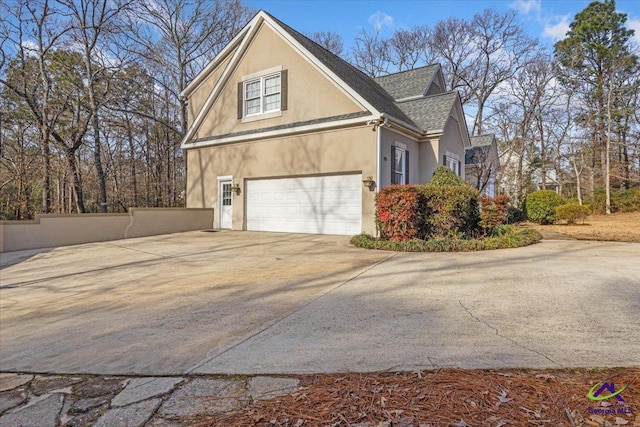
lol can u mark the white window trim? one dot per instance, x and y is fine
(455, 158)
(403, 148)
(261, 75)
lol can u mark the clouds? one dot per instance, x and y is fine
(525, 7)
(558, 30)
(634, 24)
(554, 27)
(380, 20)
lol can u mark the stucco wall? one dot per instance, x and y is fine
(388, 139)
(204, 89)
(61, 230)
(451, 141)
(329, 152)
(311, 95)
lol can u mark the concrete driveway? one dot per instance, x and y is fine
(246, 302)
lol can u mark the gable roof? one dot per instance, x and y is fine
(409, 83)
(384, 96)
(356, 79)
(430, 112)
(481, 145)
(480, 140)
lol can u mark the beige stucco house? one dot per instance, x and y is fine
(285, 136)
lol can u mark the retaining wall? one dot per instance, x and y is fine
(63, 229)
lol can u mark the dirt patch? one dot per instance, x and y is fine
(618, 227)
(450, 397)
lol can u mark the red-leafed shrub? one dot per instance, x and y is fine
(493, 213)
(399, 215)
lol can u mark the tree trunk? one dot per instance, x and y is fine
(97, 156)
(77, 181)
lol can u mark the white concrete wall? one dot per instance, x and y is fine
(62, 230)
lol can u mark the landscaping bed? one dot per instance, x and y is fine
(506, 236)
(449, 397)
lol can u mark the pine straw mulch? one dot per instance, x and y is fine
(447, 397)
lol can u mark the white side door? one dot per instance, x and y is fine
(225, 204)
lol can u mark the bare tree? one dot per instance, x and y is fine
(329, 40)
(93, 22)
(408, 48)
(33, 32)
(370, 53)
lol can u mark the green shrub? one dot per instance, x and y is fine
(515, 215)
(505, 236)
(621, 201)
(494, 212)
(571, 212)
(449, 210)
(541, 206)
(445, 176)
(399, 212)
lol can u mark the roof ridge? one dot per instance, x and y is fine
(448, 93)
(406, 71)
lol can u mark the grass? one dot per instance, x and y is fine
(618, 227)
(507, 236)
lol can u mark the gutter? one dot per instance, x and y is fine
(418, 132)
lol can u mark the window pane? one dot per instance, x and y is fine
(226, 194)
(399, 161)
(272, 85)
(252, 106)
(272, 102)
(252, 89)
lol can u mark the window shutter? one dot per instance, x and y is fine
(406, 167)
(393, 164)
(284, 89)
(240, 99)
(444, 160)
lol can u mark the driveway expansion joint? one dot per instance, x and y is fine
(497, 332)
(298, 309)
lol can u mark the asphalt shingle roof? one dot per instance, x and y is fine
(431, 112)
(480, 140)
(356, 79)
(408, 83)
(480, 148)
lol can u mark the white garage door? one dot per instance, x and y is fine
(320, 204)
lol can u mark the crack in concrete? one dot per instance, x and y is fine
(209, 359)
(497, 332)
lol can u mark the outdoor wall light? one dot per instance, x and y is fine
(369, 183)
(236, 189)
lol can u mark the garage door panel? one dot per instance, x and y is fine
(321, 204)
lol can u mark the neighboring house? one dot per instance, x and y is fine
(482, 164)
(515, 168)
(285, 136)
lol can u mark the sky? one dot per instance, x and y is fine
(546, 20)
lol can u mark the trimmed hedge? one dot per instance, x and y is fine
(405, 212)
(506, 236)
(571, 212)
(400, 212)
(450, 210)
(445, 176)
(540, 206)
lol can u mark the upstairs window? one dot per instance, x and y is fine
(262, 95)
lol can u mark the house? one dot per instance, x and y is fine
(285, 136)
(482, 164)
(517, 169)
